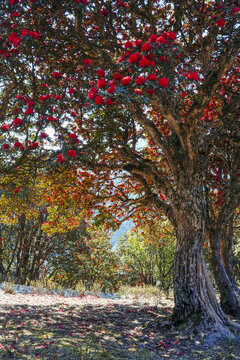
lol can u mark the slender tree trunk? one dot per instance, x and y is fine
(226, 244)
(194, 295)
(228, 299)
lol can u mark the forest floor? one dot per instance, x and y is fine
(91, 328)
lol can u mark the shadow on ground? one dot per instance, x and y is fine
(112, 331)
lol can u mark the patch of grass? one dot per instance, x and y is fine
(147, 291)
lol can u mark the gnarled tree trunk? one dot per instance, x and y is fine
(193, 292)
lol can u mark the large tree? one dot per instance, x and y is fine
(126, 86)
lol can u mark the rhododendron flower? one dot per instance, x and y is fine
(108, 101)
(138, 43)
(71, 91)
(163, 82)
(43, 97)
(171, 35)
(101, 73)
(152, 63)
(133, 58)
(120, 59)
(17, 189)
(17, 122)
(58, 97)
(92, 93)
(14, 39)
(140, 80)
(56, 74)
(128, 44)
(99, 100)
(72, 153)
(146, 47)
(183, 93)
(144, 62)
(150, 91)
(5, 127)
(51, 118)
(221, 23)
(117, 76)
(104, 12)
(73, 136)
(152, 38)
(31, 103)
(138, 91)
(25, 32)
(29, 111)
(152, 77)
(193, 76)
(12, 2)
(162, 58)
(6, 146)
(112, 89)
(44, 135)
(126, 80)
(101, 83)
(19, 145)
(87, 62)
(61, 158)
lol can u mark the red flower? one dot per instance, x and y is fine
(221, 23)
(138, 43)
(12, 2)
(19, 145)
(72, 153)
(31, 103)
(58, 97)
(43, 97)
(87, 62)
(17, 189)
(100, 73)
(6, 146)
(138, 91)
(73, 136)
(146, 47)
(133, 58)
(152, 38)
(171, 35)
(117, 76)
(140, 80)
(152, 77)
(51, 118)
(163, 82)
(128, 44)
(61, 158)
(111, 90)
(71, 91)
(25, 32)
(161, 40)
(162, 58)
(193, 76)
(5, 127)
(101, 83)
(56, 74)
(92, 93)
(44, 135)
(99, 100)
(17, 122)
(126, 80)
(109, 101)
(29, 111)
(144, 62)
(14, 39)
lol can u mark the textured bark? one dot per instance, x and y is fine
(193, 292)
(226, 244)
(228, 299)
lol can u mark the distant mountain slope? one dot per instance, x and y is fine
(125, 226)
